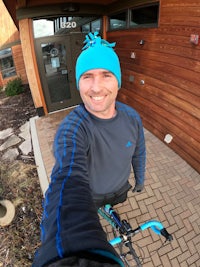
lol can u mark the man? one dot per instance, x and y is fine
(94, 148)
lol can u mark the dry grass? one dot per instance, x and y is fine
(19, 183)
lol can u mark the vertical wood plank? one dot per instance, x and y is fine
(30, 63)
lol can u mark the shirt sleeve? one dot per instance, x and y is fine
(139, 157)
(70, 222)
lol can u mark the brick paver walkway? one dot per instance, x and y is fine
(171, 195)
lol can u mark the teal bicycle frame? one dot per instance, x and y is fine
(126, 232)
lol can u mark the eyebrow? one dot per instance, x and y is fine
(103, 72)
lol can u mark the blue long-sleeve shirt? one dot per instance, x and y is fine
(102, 150)
(93, 156)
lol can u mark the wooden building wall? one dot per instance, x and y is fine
(19, 62)
(10, 38)
(169, 65)
(8, 30)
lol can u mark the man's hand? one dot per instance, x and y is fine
(138, 188)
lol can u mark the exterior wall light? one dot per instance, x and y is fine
(70, 7)
(141, 42)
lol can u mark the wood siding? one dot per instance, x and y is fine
(169, 65)
(10, 38)
(8, 32)
(19, 63)
(19, 66)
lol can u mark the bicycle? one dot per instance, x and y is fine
(123, 233)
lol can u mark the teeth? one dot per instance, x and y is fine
(97, 97)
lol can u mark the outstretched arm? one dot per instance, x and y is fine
(70, 227)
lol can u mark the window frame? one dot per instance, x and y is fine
(90, 26)
(146, 25)
(7, 72)
(118, 13)
(100, 23)
(129, 17)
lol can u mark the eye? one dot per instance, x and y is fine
(107, 74)
(86, 76)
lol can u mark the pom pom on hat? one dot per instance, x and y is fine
(97, 54)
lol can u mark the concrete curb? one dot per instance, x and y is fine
(44, 183)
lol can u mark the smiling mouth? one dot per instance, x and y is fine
(97, 98)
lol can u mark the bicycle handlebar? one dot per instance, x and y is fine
(156, 226)
(116, 240)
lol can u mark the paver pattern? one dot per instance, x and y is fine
(171, 195)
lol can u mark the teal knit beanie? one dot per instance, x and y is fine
(97, 54)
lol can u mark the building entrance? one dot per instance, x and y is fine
(56, 58)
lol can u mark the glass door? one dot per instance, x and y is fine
(56, 56)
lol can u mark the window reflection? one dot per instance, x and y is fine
(118, 21)
(139, 17)
(145, 16)
(54, 59)
(62, 25)
(43, 27)
(96, 25)
(7, 63)
(86, 28)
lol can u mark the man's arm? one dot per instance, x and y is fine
(70, 224)
(139, 159)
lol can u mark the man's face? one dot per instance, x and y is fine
(98, 90)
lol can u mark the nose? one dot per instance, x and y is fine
(96, 84)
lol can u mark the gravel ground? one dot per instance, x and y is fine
(19, 183)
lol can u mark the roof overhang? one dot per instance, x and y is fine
(11, 7)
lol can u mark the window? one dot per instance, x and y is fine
(136, 17)
(86, 28)
(96, 25)
(118, 21)
(53, 26)
(7, 63)
(145, 16)
(44, 27)
(63, 25)
(93, 26)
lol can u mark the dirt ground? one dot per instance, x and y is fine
(19, 183)
(16, 110)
